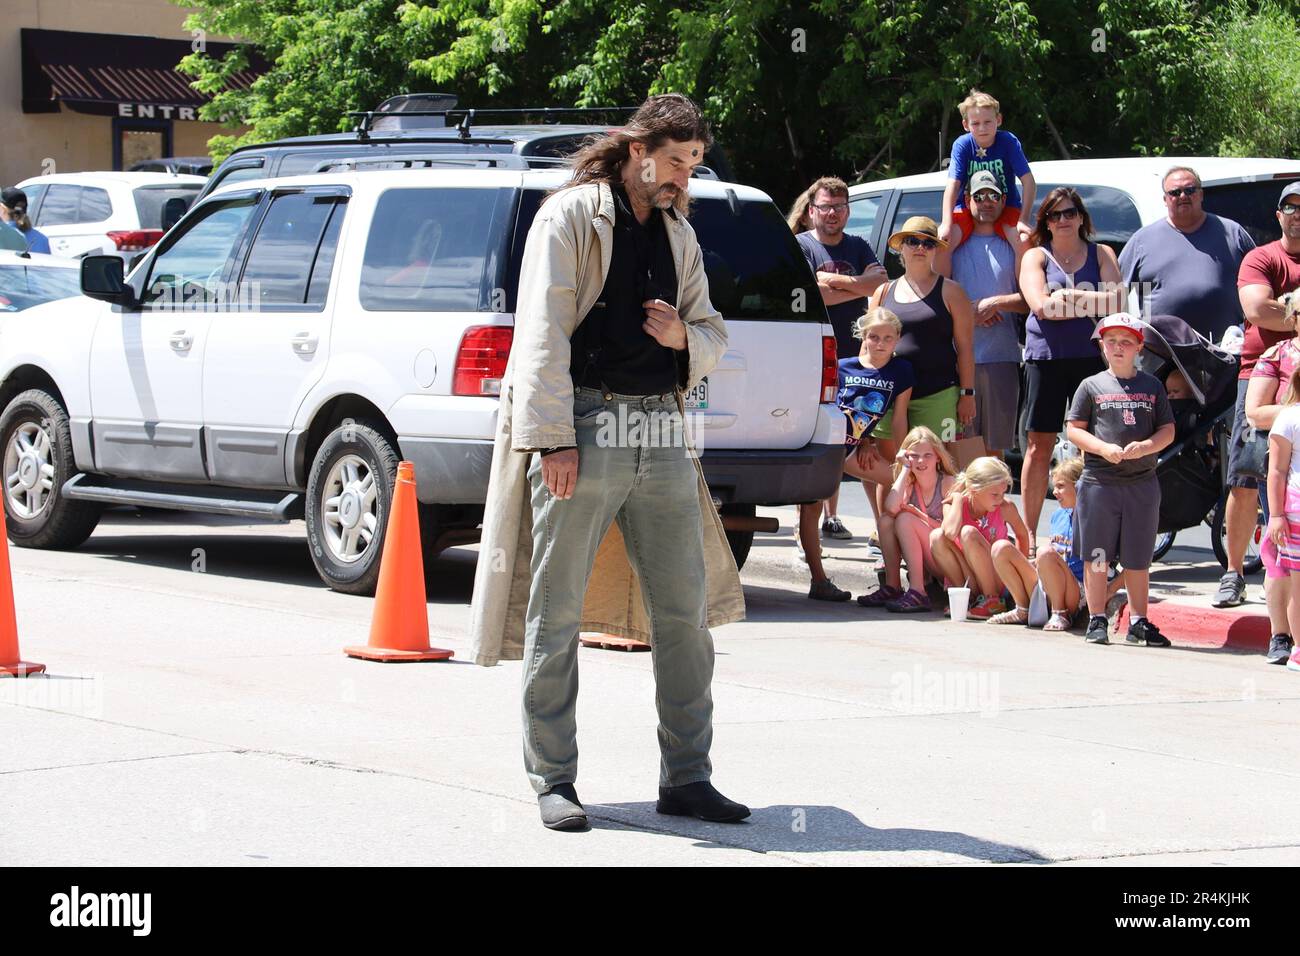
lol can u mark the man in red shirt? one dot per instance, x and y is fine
(1267, 273)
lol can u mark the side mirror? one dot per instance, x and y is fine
(102, 278)
(174, 210)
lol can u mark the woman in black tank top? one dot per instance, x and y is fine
(938, 335)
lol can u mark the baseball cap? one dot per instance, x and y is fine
(1290, 189)
(15, 199)
(986, 180)
(1121, 320)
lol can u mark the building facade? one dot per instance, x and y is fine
(91, 85)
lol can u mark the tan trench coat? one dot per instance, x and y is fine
(568, 255)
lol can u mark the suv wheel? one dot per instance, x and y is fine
(349, 496)
(37, 443)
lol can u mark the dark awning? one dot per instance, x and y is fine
(110, 75)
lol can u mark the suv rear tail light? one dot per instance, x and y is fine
(481, 360)
(830, 369)
(134, 240)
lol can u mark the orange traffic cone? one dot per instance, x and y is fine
(399, 630)
(11, 664)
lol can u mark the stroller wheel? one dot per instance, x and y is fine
(1164, 541)
(1219, 540)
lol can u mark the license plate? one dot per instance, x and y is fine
(698, 397)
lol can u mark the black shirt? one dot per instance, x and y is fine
(610, 348)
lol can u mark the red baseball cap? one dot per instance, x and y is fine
(1121, 320)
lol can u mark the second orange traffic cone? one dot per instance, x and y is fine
(11, 663)
(399, 630)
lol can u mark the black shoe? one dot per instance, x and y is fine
(701, 801)
(1279, 649)
(561, 809)
(1143, 631)
(1097, 631)
(1232, 590)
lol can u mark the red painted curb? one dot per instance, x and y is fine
(1229, 628)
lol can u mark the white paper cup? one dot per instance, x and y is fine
(958, 602)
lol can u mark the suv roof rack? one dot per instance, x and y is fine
(396, 107)
(467, 160)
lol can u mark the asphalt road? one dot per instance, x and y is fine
(199, 710)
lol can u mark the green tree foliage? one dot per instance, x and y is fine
(860, 88)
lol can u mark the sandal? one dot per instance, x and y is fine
(881, 596)
(911, 602)
(1059, 621)
(1017, 615)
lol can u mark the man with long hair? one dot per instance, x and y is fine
(613, 322)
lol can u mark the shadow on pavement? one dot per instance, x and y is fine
(278, 554)
(807, 829)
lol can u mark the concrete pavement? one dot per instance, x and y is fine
(210, 717)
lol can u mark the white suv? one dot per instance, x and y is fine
(369, 319)
(112, 213)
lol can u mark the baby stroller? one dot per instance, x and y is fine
(1193, 470)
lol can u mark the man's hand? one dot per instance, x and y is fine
(1025, 230)
(1133, 450)
(875, 271)
(560, 472)
(663, 324)
(1112, 453)
(986, 312)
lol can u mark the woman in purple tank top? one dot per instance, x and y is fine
(1069, 282)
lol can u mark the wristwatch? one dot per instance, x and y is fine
(966, 391)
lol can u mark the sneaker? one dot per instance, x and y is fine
(800, 557)
(1279, 649)
(1017, 615)
(825, 590)
(1294, 663)
(910, 602)
(986, 607)
(1232, 590)
(1097, 631)
(881, 596)
(833, 527)
(1143, 631)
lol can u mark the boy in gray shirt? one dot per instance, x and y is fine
(1120, 419)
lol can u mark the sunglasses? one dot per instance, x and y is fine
(916, 243)
(1057, 215)
(986, 197)
(1182, 191)
(1288, 208)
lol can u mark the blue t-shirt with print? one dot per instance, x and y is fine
(1005, 159)
(849, 257)
(1062, 528)
(867, 393)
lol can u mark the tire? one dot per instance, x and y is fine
(37, 445)
(1164, 541)
(1219, 538)
(740, 541)
(356, 464)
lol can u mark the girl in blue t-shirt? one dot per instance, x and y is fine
(1059, 571)
(871, 384)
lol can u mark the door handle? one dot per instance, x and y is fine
(304, 343)
(181, 341)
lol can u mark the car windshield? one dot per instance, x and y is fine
(150, 201)
(23, 286)
(753, 264)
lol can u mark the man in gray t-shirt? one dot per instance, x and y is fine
(985, 267)
(1186, 264)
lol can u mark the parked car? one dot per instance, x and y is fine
(429, 125)
(189, 165)
(111, 213)
(31, 280)
(291, 339)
